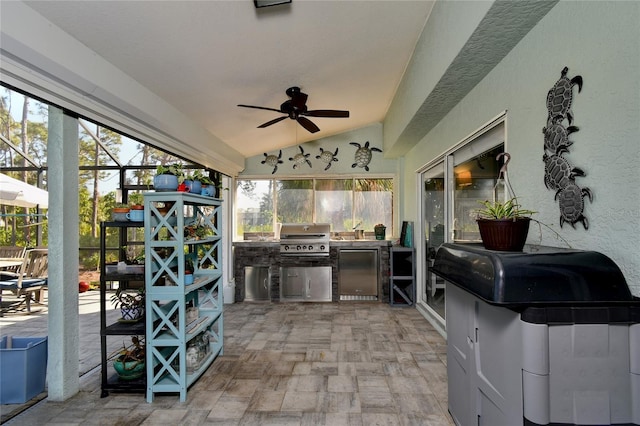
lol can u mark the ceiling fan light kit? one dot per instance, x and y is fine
(267, 3)
(296, 109)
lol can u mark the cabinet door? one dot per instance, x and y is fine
(318, 283)
(460, 346)
(292, 283)
(497, 363)
(257, 283)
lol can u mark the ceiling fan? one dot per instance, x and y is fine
(296, 109)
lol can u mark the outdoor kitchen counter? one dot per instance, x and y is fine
(258, 253)
(336, 243)
(360, 243)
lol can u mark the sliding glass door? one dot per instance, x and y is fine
(451, 188)
(434, 225)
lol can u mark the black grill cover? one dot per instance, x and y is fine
(537, 276)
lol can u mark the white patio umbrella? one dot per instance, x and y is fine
(14, 192)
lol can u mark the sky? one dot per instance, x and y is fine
(128, 149)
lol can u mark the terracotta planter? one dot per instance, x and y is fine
(119, 214)
(504, 234)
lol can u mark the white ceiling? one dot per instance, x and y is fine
(205, 57)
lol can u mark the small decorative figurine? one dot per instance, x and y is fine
(556, 136)
(327, 157)
(560, 96)
(558, 173)
(300, 158)
(272, 161)
(571, 199)
(363, 155)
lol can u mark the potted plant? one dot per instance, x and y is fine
(131, 304)
(194, 182)
(188, 271)
(208, 188)
(129, 362)
(503, 226)
(119, 212)
(168, 177)
(136, 212)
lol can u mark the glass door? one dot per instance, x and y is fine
(434, 225)
(450, 191)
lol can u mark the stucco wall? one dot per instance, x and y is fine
(601, 42)
(346, 153)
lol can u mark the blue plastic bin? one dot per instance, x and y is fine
(23, 368)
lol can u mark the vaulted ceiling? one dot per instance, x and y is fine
(206, 57)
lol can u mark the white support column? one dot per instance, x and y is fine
(62, 177)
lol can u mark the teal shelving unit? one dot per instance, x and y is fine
(184, 317)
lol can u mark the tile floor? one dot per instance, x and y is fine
(345, 363)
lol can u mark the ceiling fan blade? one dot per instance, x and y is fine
(333, 113)
(274, 121)
(259, 107)
(308, 124)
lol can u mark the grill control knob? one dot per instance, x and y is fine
(310, 248)
(322, 247)
(299, 248)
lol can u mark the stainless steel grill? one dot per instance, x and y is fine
(305, 239)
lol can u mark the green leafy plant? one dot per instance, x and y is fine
(188, 263)
(121, 206)
(134, 352)
(496, 210)
(205, 180)
(170, 169)
(198, 175)
(122, 299)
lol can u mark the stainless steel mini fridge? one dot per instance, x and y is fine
(358, 274)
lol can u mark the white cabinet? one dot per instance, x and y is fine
(484, 364)
(184, 320)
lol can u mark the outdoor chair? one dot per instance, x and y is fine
(11, 252)
(28, 285)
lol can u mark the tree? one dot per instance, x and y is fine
(92, 154)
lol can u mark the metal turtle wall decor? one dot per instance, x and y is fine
(272, 161)
(560, 96)
(363, 155)
(300, 158)
(559, 174)
(327, 157)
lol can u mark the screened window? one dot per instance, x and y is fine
(344, 203)
(294, 201)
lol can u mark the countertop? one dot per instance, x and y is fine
(335, 243)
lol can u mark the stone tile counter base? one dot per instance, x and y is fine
(267, 254)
